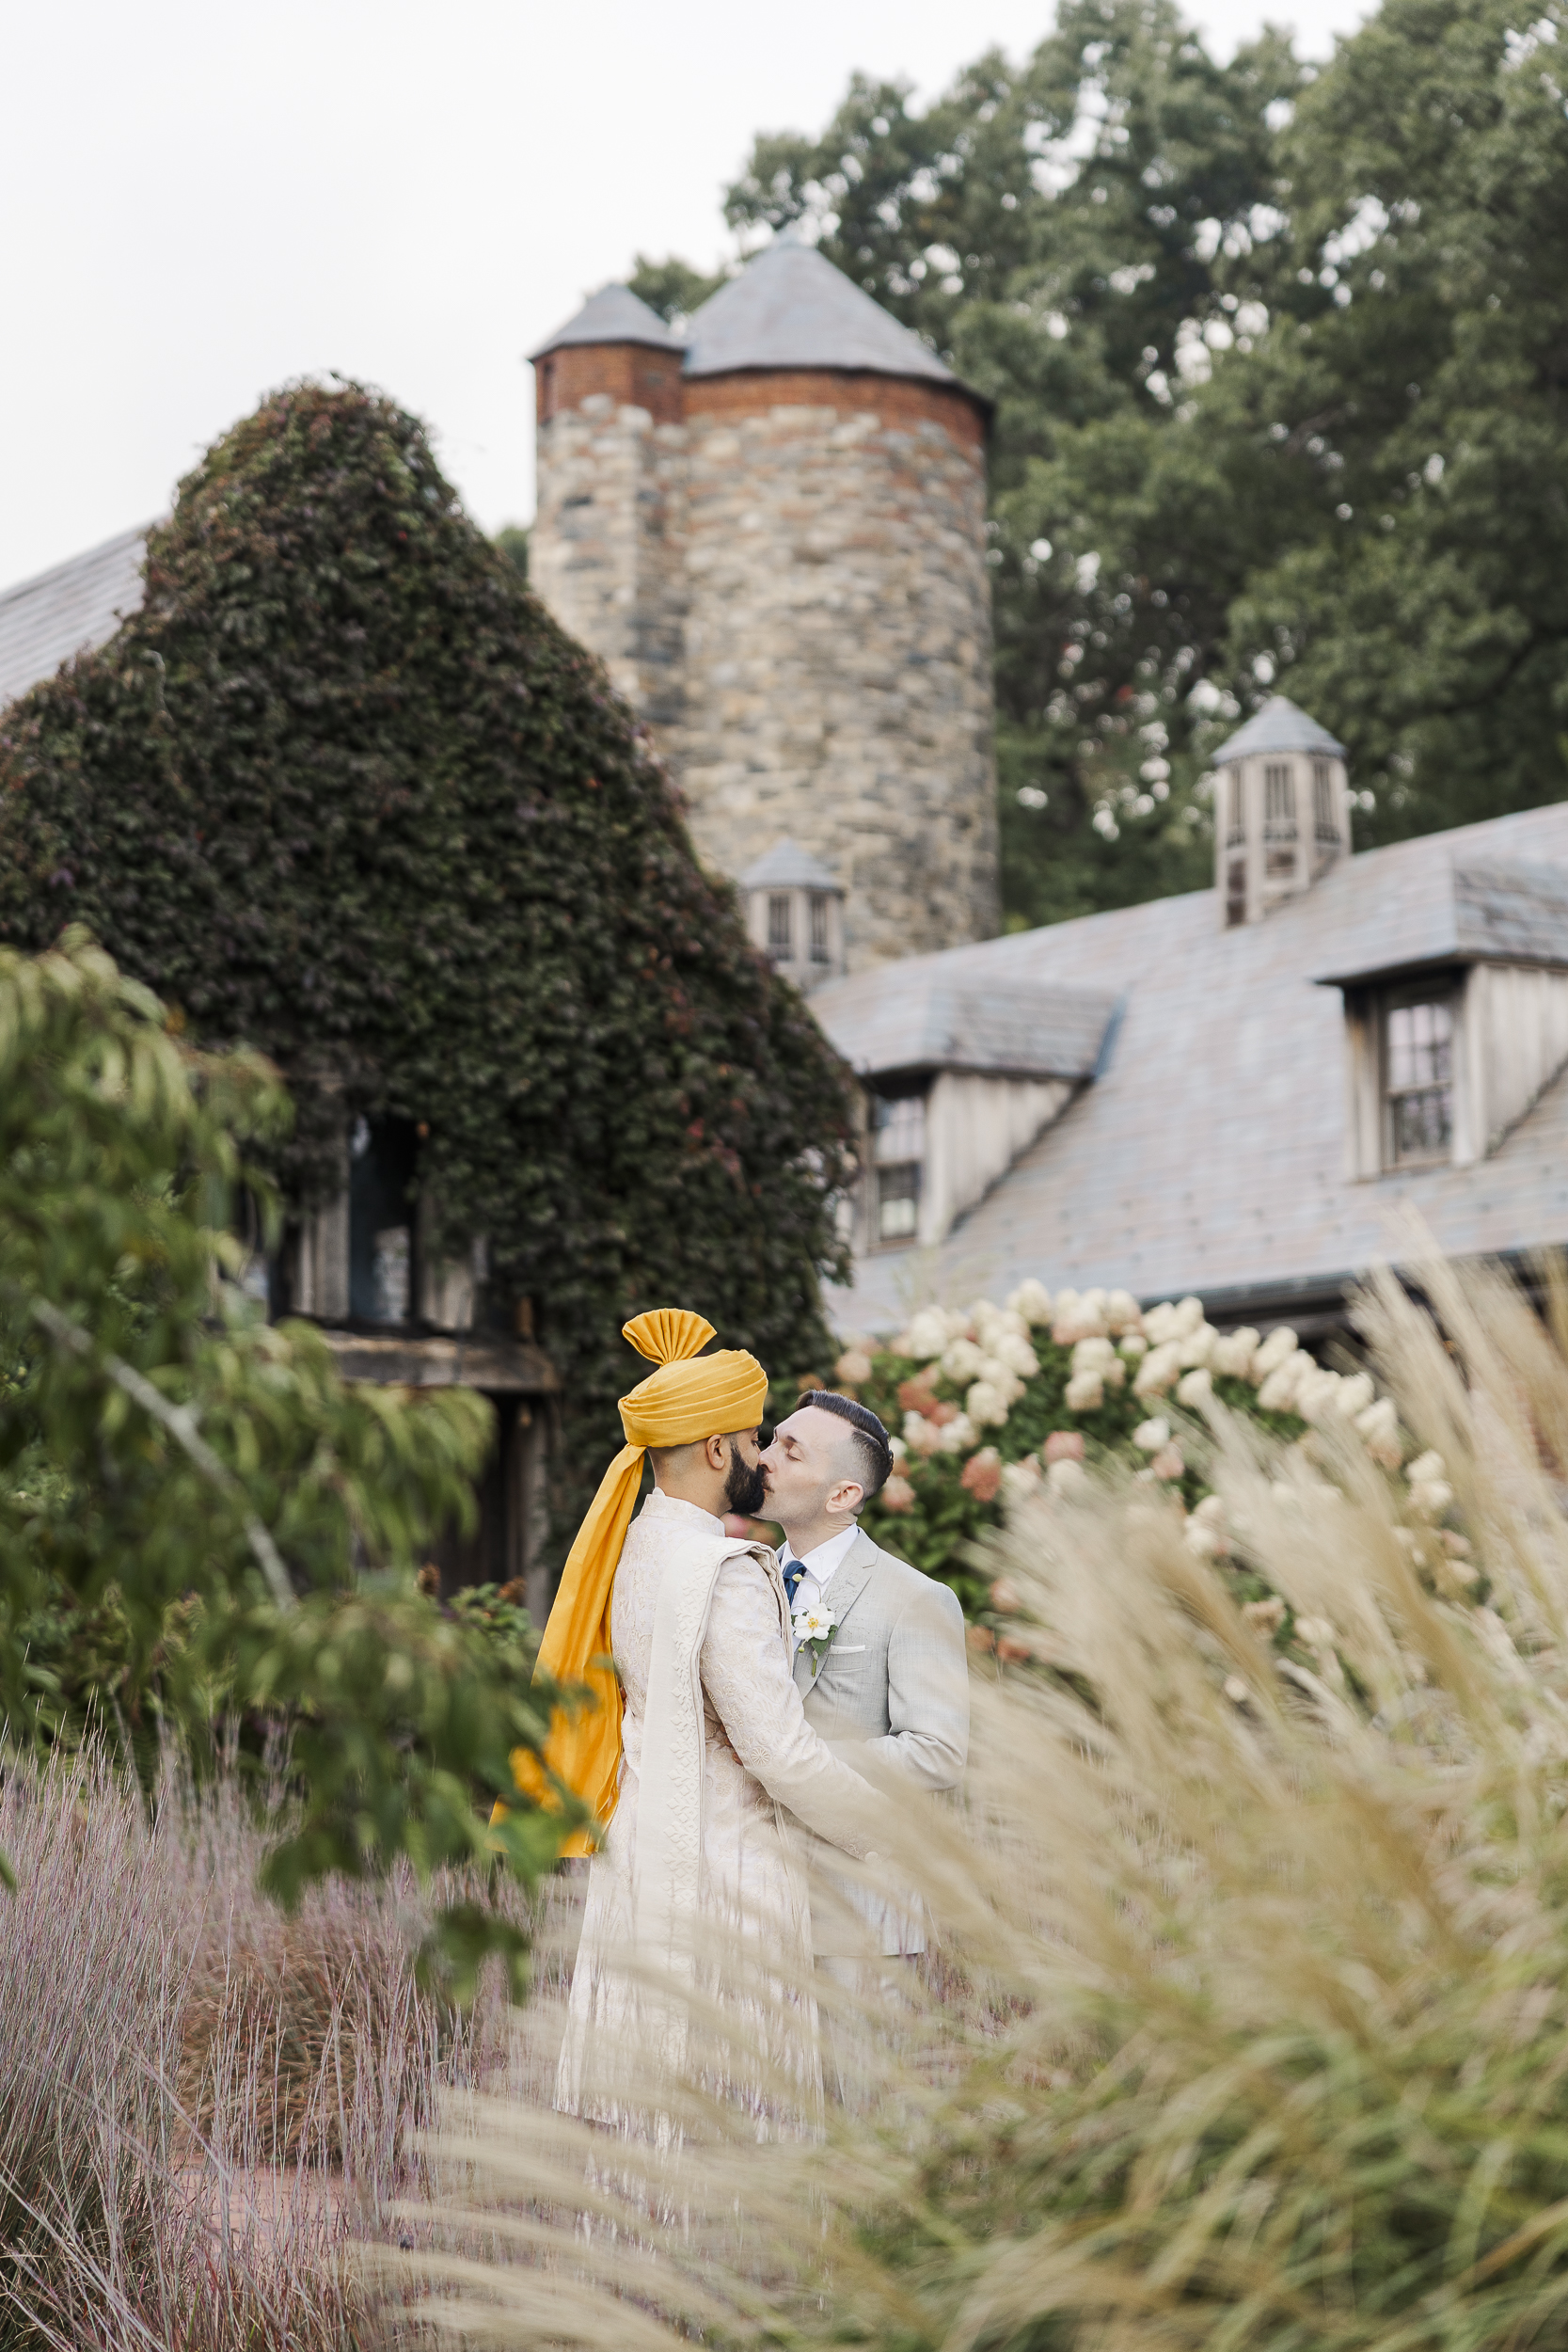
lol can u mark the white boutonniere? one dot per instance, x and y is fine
(814, 1625)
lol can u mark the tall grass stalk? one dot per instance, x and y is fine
(201, 2099)
(1249, 2028)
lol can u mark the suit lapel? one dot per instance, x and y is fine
(849, 1579)
(845, 1586)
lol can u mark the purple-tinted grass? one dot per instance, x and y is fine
(203, 2102)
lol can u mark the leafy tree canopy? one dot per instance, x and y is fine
(512, 539)
(342, 790)
(253, 1524)
(670, 287)
(1278, 362)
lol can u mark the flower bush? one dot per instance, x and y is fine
(987, 1402)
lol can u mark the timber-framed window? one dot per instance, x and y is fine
(1418, 1075)
(781, 929)
(898, 1166)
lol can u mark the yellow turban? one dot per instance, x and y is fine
(687, 1398)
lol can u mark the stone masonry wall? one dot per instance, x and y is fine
(838, 684)
(605, 551)
(790, 589)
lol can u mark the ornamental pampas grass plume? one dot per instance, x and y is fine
(1249, 2025)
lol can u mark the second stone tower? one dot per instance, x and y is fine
(774, 534)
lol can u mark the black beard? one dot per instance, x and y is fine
(745, 1488)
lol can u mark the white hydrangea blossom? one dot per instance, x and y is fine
(957, 1436)
(1085, 1392)
(1177, 1321)
(1158, 1370)
(1031, 1300)
(930, 1332)
(1380, 1432)
(1014, 1351)
(1194, 1389)
(1280, 1343)
(1206, 1532)
(961, 1360)
(1150, 1436)
(1123, 1313)
(1233, 1353)
(1063, 1476)
(1430, 1491)
(1079, 1317)
(986, 1405)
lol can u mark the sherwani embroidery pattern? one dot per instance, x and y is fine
(711, 1720)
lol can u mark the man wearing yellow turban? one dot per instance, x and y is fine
(699, 1753)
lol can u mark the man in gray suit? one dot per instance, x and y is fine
(893, 1673)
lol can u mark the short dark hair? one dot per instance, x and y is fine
(872, 1451)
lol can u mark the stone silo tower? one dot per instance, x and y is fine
(775, 536)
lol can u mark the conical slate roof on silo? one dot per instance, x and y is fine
(1280, 726)
(790, 308)
(613, 316)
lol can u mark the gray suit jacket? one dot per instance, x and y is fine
(894, 1677)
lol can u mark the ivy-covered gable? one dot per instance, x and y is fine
(342, 790)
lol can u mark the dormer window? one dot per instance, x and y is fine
(779, 928)
(898, 1159)
(1417, 1063)
(795, 914)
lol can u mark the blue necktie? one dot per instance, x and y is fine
(793, 1571)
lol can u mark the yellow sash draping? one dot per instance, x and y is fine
(689, 1397)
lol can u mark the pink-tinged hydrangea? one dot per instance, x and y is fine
(982, 1475)
(897, 1495)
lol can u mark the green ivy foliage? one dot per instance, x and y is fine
(343, 791)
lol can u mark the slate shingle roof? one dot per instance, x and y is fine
(1209, 1154)
(44, 620)
(1281, 725)
(790, 308)
(922, 1014)
(613, 316)
(1498, 910)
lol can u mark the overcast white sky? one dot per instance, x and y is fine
(198, 201)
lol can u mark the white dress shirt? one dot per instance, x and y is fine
(818, 1564)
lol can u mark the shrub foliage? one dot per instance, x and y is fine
(202, 1482)
(342, 790)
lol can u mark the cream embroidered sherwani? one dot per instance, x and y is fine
(718, 1762)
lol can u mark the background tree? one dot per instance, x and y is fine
(341, 789)
(167, 1455)
(1278, 361)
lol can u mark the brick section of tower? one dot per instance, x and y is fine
(790, 588)
(897, 399)
(605, 552)
(630, 373)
